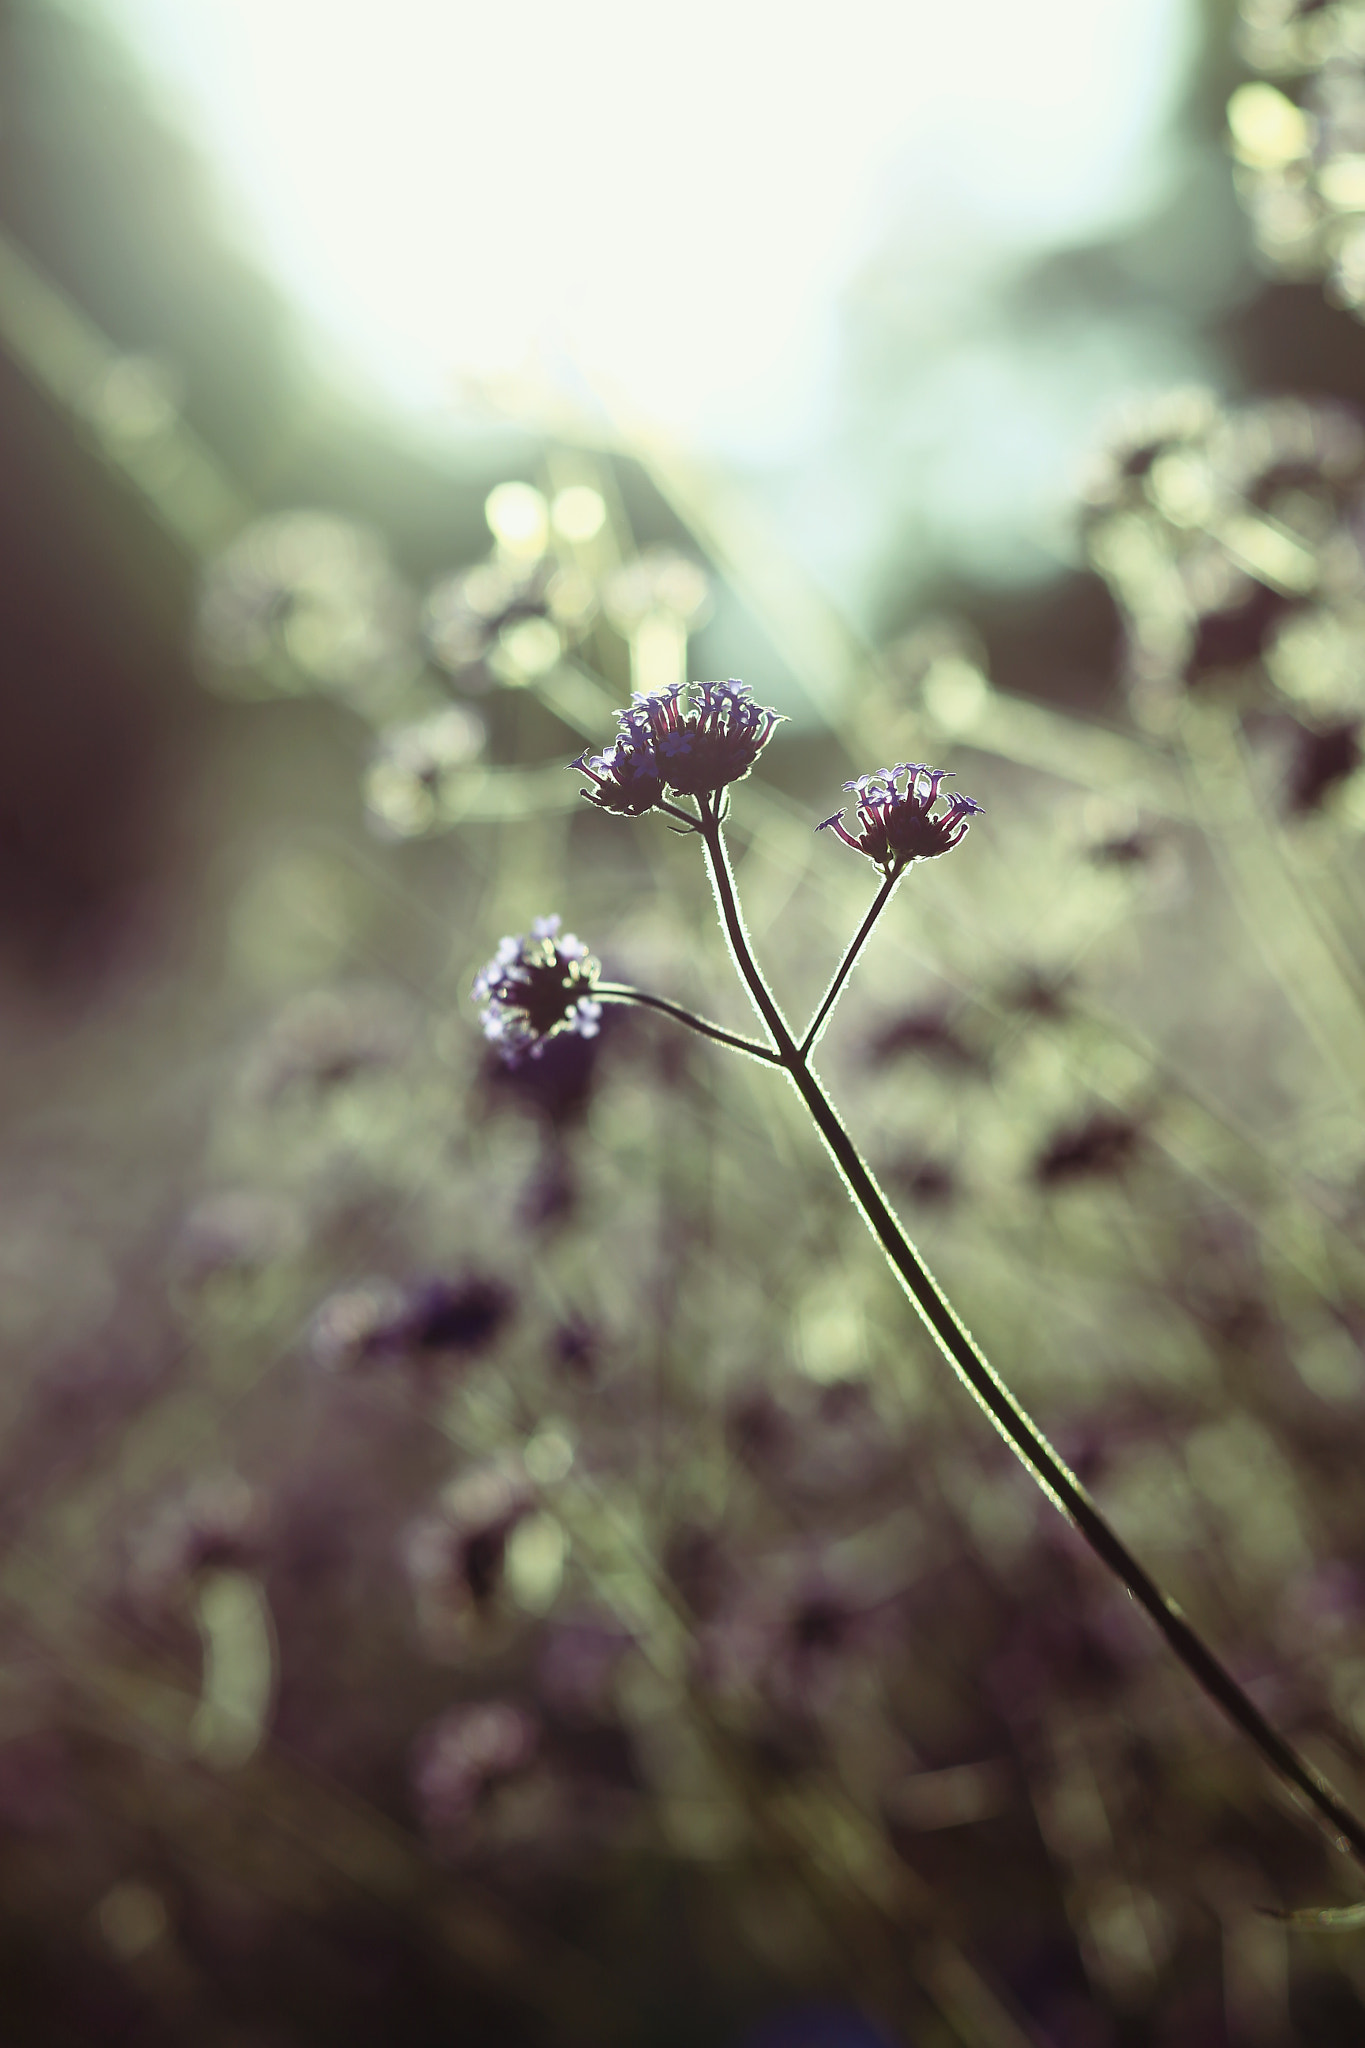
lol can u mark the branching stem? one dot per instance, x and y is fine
(958, 1346)
(845, 967)
(618, 992)
(676, 811)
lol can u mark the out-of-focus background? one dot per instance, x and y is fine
(488, 1555)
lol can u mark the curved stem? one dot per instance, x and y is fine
(1012, 1420)
(845, 967)
(617, 992)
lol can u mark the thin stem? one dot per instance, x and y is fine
(1018, 1428)
(741, 952)
(617, 992)
(845, 967)
(676, 811)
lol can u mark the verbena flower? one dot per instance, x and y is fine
(536, 987)
(693, 740)
(628, 777)
(896, 826)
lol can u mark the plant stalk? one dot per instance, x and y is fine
(1014, 1423)
(618, 992)
(845, 967)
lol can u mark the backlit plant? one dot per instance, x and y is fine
(680, 751)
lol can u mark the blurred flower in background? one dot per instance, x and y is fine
(508, 619)
(1233, 539)
(305, 601)
(1299, 144)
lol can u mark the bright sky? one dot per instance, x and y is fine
(668, 197)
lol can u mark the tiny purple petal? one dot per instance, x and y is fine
(537, 986)
(896, 820)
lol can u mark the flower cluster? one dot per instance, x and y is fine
(300, 601)
(1296, 144)
(536, 987)
(1233, 541)
(379, 1322)
(897, 826)
(692, 739)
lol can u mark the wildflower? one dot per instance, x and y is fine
(301, 601)
(448, 1315)
(536, 987)
(657, 583)
(506, 622)
(352, 1325)
(414, 773)
(899, 826)
(693, 740)
(218, 1525)
(1322, 761)
(455, 1554)
(379, 1322)
(1103, 1145)
(928, 1181)
(574, 1348)
(628, 777)
(790, 1642)
(461, 1758)
(927, 1033)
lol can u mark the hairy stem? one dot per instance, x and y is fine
(845, 967)
(676, 811)
(1018, 1428)
(617, 992)
(723, 882)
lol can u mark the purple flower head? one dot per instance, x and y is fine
(536, 987)
(381, 1322)
(448, 1315)
(895, 826)
(706, 734)
(693, 740)
(629, 780)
